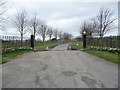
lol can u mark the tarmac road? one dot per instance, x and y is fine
(59, 68)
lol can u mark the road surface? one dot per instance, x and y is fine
(59, 68)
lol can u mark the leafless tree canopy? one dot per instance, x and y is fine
(50, 32)
(67, 36)
(55, 33)
(88, 27)
(2, 4)
(60, 33)
(43, 31)
(99, 25)
(35, 25)
(104, 21)
(2, 12)
(21, 22)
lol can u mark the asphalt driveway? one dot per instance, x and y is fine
(59, 68)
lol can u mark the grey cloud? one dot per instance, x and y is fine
(65, 16)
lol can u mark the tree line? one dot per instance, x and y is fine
(33, 25)
(36, 26)
(99, 25)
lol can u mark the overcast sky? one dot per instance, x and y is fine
(65, 16)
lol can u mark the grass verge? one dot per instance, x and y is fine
(105, 55)
(109, 56)
(11, 55)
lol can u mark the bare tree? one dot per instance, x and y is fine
(60, 33)
(43, 31)
(100, 25)
(3, 10)
(66, 36)
(34, 24)
(21, 23)
(104, 22)
(70, 36)
(50, 33)
(88, 27)
(55, 33)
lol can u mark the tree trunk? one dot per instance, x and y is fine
(43, 39)
(21, 39)
(101, 41)
(50, 38)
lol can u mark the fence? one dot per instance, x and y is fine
(106, 42)
(10, 43)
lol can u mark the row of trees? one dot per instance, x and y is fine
(99, 25)
(37, 27)
(32, 25)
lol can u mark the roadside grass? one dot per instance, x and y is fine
(7, 56)
(109, 56)
(105, 55)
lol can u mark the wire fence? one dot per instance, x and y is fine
(106, 42)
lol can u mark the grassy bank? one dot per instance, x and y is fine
(109, 56)
(11, 55)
